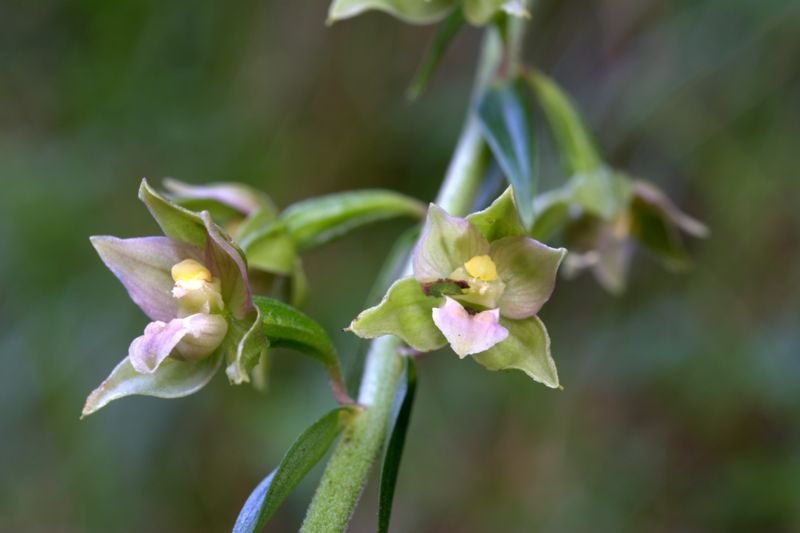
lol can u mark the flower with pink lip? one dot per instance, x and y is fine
(192, 283)
(478, 283)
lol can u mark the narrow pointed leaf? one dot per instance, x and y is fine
(441, 41)
(173, 379)
(575, 144)
(306, 452)
(288, 327)
(527, 348)
(506, 122)
(316, 221)
(394, 450)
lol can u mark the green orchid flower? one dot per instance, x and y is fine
(478, 284)
(601, 217)
(600, 214)
(192, 283)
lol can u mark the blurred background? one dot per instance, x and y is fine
(680, 410)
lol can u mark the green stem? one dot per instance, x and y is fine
(348, 468)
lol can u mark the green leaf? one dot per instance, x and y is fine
(175, 221)
(506, 122)
(316, 221)
(288, 327)
(441, 41)
(394, 450)
(270, 248)
(578, 152)
(499, 219)
(259, 219)
(405, 312)
(173, 379)
(306, 452)
(527, 348)
(411, 11)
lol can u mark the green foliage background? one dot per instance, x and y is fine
(680, 410)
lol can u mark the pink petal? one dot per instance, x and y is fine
(528, 269)
(148, 351)
(468, 334)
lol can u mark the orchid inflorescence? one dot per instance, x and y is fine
(473, 283)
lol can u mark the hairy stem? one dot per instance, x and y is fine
(349, 466)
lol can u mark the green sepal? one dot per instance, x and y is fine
(411, 11)
(175, 221)
(601, 192)
(405, 312)
(316, 221)
(575, 144)
(505, 118)
(527, 348)
(304, 453)
(500, 219)
(244, 346)
(441, 41)
(172, 379)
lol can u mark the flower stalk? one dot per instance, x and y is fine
(348, 468)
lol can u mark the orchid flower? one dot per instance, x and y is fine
(478, 283)
(601, 216)
(192, 284)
